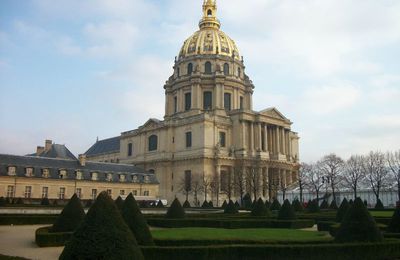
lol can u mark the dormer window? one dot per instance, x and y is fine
(134, 178)
(12, 170)
(146, 179)
(29, 172)
(78, 175)
(109, 176)
(63, 174)
(122, 178)
(45, 173)
(95, 176)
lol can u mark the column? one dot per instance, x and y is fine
(283, 131)
(244, 137)
(289, 146)
(181, 101)
(277, 140)
(251, 136)
(265, 148)
(260, 144)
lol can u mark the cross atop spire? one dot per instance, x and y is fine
(209, 15)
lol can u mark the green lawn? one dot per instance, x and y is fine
(387, 214)
(239, 234)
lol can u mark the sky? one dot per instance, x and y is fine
(75, 70)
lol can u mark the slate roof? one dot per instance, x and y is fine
(111, 145)
(71, 166)
(59, 151)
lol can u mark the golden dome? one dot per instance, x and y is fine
(209, 40)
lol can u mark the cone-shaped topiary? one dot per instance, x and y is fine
(260, 209)
(224, 204)
(286, 212)
(267, 204)
(351, 202)
(230, 208)
(186, 204)
(275, 205)
(358, 225)
(379, 205)
(324, 205)
(103, 234)
(308, 203)
(45, 202)
(136, 222)
(394, 226)
(366, 203)
(247, 201)
(205, 205)
(313, 206)
(333, 205)
(176, 210)
(296, 205)
(344, 206)
(119, 202)
(210, 204)
(70, 217)
(253, 204)
(159, 204)
(237, 205)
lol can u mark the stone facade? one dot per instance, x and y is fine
(210, 133)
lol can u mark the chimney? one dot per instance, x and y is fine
(39, 150)
(82, 159)
(48, 145)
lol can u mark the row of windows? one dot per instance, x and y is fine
(207, 101)
(62, 174)
(208, 69)
(62, 195)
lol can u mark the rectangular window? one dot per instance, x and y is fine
(122, 192)
(28, 192)
(61, 195)
(188, 180)
(175, 104)
(29, 172)
(188, 139)
(222, 139)
(12, 170)
(10, 191)
(130, 149)
(146, 193)
(207, 100)
(45, 192)
(188, 101)
(227, 101)
(78, 192)
(241, 101)
(134, 193)
(94, 194)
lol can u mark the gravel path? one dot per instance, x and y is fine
(20, 241)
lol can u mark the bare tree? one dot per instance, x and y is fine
(206, 186)
(332, 167)
(197, 189)
(185, 187)
(315, 179)
(226, 184)
(253, 180)
(354, 173)
(303, 172)
(239, 183)
(215, 187)
(393, 160)
(376, 172)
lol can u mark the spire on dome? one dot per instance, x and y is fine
(209, 19)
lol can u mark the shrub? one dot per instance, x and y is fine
(103, 234)
(186, 204)
(45, 202)
(2, 201)
(176, 210)
(159, 204)
(136, 222)
(344, 206)
(247, 201)
(259, 209)
(313, 206)
(394, 226)
(297, 206)
(210, 204)
(70, 217)
(379, 205)
(358, 225)
(44, 238)
(275, 205)
(88, 203)
(224, 204)
(19, 201)
(351, 202)
(267, 204)
(205, 205)
(333, 205)
(253, 204)
(324, 205)
(286, 212)
(237, 205)
(119, 202)
(366, 203)
(55, 203)
(231, 208)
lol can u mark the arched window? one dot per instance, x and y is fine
(178, 72)
(207, 68)
(152, 171)
(226, 69)
(190, 69)
(209, 13)
(153, 140)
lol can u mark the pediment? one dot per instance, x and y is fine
(274, 113)
(152, 123)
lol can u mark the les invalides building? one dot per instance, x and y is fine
(210, 134)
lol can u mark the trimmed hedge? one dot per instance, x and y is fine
(230, 223)
(286, 212)
(379, 205)
(344, 206)
(389, 249)
(231, 208)
(186, 204)
(333, 205)
(176, 210)
(297, 206)
(325, 225)
(211, 242)
(71, 216)
(31, 219)
(44, 238)
(275, 205)
(394, 226)
(260, 209)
